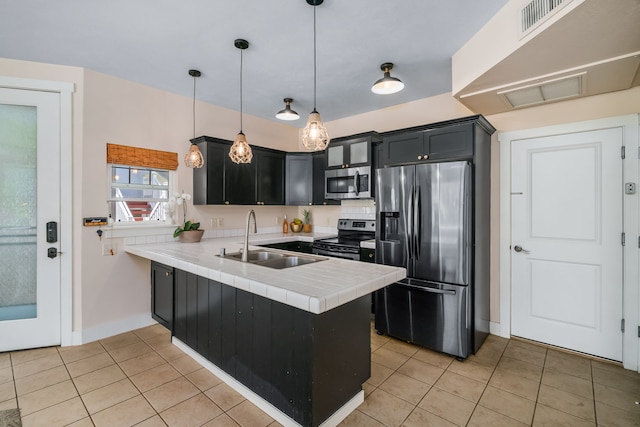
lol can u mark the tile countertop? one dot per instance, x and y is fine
(369, 244)
(315, 287)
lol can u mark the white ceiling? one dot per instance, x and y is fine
(155, 42)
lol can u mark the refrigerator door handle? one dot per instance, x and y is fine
(426, 289)
(409, 239)
(418, 224)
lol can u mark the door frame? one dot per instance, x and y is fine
(65, 90)
(630, 125)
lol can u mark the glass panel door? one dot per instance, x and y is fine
(18, 218)
(29, 199)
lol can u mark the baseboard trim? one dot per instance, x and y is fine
(495, 329)
(110, 329)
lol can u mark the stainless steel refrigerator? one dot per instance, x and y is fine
(425, 224)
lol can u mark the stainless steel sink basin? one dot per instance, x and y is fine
(288, 261)
(275, 260)
(253, 256)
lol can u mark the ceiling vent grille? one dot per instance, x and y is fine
(533, 12)
(547, 91)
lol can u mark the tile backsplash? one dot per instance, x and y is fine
(358, 209)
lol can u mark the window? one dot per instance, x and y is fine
(138, 194)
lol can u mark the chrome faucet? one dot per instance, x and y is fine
(245, 247)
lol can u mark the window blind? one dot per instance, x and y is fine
(136, 156)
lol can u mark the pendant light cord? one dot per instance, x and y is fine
(194, 106)
(241, 90)
(314, 59)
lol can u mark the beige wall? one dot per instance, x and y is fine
(107, 109)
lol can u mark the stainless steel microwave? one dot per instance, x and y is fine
(348, 183)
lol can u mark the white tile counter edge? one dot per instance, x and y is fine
(315, 287)
(368, 244)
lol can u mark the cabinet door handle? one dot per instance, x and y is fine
(167, 274)
(425, 157)
(226, 202)
(370, 255)
(419, 157)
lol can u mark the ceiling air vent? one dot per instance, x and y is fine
(534, 11)
(547, 91)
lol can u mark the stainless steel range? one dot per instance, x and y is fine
(347, 245)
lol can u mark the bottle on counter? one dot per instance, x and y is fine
(285, 225)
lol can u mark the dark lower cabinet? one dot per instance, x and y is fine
(162, 294)
(306, 365)
(303, 247)
(367, 255)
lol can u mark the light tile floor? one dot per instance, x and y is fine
(139, 378)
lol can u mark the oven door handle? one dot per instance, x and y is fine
(356, 182)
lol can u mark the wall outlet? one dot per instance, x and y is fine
(217, 222)
(109, 249)
(278, 220)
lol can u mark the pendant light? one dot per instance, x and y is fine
(287, 113)
(194, 158)
(240, 150)
(387, 84)
(314, 135)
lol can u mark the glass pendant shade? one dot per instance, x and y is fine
(287, 113)
(240, 151)
(194, 158)
(314, 134)
(387, 84)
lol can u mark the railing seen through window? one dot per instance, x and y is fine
(138, 194)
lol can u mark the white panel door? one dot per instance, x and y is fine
(566, 250)
(30, 191)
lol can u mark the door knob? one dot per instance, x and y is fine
(519, 248)
(53, 252)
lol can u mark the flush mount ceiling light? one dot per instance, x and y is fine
(387, 84)
(314, 134)
(287, 113)
(194, 158)
(240, 151)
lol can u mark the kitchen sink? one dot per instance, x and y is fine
(254, 256)
(273, 259)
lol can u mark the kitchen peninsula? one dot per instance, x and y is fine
(294, 341)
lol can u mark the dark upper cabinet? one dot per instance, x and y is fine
(221, 181)
(209, 181)
(403, 148)
(162, 294)
(239, 182)
(270, 176)
(351, 151)
(318, 180)
(299, 179)
(444, 143)
(305, 179)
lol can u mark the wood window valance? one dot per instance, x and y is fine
(135, 156)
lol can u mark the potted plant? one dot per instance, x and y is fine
(306, 214)
(190, 232)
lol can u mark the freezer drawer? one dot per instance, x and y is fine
(433, 315)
